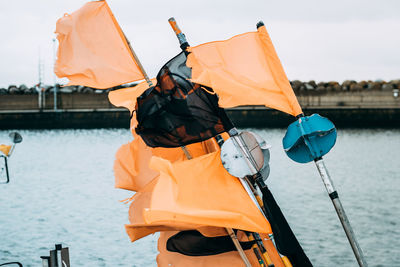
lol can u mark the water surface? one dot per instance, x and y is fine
(62, 191)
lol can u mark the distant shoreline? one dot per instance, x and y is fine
(348, 105)
(298, 87)
(243, 117)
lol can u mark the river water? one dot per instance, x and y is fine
(61, 191)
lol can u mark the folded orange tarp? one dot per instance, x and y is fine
(244, 70)
(93, 50)
(200, 191)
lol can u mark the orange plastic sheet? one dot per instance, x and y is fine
(126, 97)
(194, 193)
(5, 149)
(132, 172)
(93, 50)
(138, 228)
(244, 70)
(131, 166)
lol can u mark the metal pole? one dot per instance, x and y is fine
(326, 179)
(65, 257)
(146, 77)
(187, 154)
(230, 231)
(39, 87)
(238, 247)
(58, 254)
(54, 76)
(5, 170)
(149, 82)
(184, 45)
(53, 259)
(233, 133)
(258, 248)
(45, 261)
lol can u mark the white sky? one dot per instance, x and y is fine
(315, 39)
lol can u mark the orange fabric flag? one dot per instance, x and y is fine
(200, 191)
(133, 173)
(244, 70)
(93, 50)
(5, 149)
(138, 228)
(126, 97)
(131, 166)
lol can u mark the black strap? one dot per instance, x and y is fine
(193, 243)
(285, 240)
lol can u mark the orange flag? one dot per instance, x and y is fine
(126, 97)
(5, 149)
(93, 50)
(138, 228)
(186, 194)
(244, 70)
(132, 172)
(131, 166)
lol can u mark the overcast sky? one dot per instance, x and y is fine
(319, 40)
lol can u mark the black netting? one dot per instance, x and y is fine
(177, 112)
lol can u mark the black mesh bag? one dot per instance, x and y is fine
(177, 112)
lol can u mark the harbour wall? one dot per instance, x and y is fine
(347, 109)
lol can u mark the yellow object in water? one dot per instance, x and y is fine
(5, 149)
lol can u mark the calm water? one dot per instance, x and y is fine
(61, 191)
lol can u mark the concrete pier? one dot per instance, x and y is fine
(348, 109)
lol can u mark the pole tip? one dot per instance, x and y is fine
(260, 24)
(171, 19)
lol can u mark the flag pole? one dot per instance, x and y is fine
(146, 77)
(316, 136)
(323, 171)
(232, 131)
(184, 45)
(135, 57)
(230, 231)
(251, 162)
